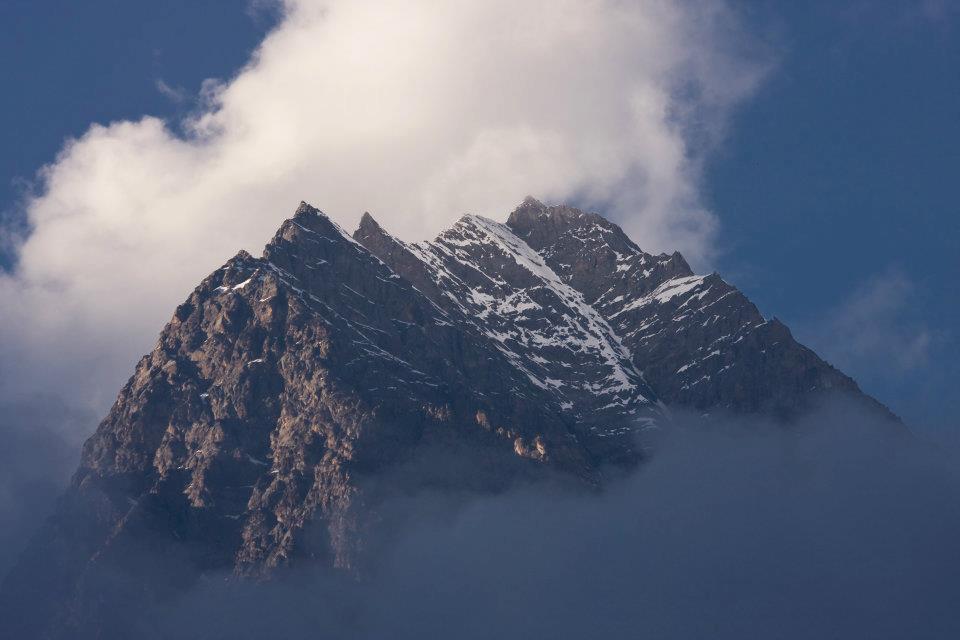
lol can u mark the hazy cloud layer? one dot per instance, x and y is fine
(416, 111)
(739, 530)
(41, 448)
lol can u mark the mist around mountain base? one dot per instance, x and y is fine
(733, 527)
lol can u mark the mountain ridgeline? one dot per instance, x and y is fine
(293, 395)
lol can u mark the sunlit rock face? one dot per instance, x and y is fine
(293, 396)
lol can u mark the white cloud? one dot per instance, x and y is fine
(417, 111)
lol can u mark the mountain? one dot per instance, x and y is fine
(696, 341)
(293, 396)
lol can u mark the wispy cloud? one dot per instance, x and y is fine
(874, 332)
(177, 95)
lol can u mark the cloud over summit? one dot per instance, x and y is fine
(416, 111)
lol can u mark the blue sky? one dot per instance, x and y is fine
(67, 64)
(834, 185)
(839, 181)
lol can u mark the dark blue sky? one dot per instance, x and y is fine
(836, 189)
(840, 175)
(67, 64)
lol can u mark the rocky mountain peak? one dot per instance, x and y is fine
(307, 219)
(292, 396)
(369, 225)
(530, 208)
(306, 209)
(539, 224)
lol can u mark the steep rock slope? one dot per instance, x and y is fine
(292, 396)
(502, 290)
(691, 341)
(699, 341)
(264, 424)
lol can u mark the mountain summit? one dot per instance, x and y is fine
(292, 396)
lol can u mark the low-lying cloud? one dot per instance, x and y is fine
(40, 449)
(733, 530)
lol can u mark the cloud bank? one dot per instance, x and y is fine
(416, 111)
(734, 529)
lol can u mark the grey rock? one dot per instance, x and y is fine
(700, 343)
(292, 396)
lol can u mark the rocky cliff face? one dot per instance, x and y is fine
(500, 289)
(699, 342)
(293, 395)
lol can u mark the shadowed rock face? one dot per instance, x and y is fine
(699, 342)
(498, 288)
(695, 341)
(291, 396)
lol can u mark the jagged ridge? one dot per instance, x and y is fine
(291, 395)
